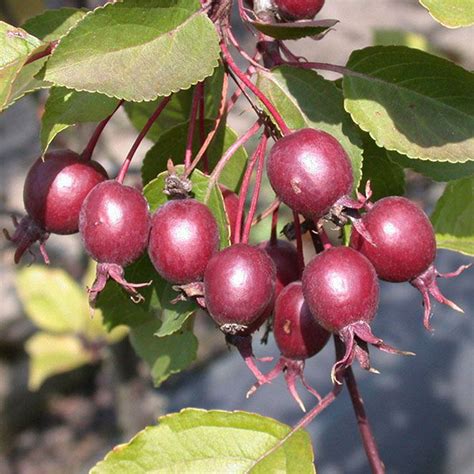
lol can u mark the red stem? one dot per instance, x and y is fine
(126, 164)
(202, 126)
(261, 96)
(192, 125)
(256, 189)
(246, 56)
(243, 193)
(269, 210)
(211, 134)
(367, 436)
(89, 149)
(299, 241)
(273, 232)
(214, 178)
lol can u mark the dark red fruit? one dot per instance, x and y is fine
(341, 289)
(114, 224)
(404, 248)
(405, 244)
(239, 282)
(54, 190)
(298, 336)
(231, 204)
(184, 236)
(299, 9)
(285, 258)
(309, 171)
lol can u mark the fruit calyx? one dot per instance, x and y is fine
(426, 284)
(177, 186)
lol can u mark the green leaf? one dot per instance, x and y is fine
(65, 108)
(179, 107)
(436, 170)
(117, 307)
(194, 441)
(52, 299)
(16, 46)
(453, 217)
(172, 145)
(296, 30)
(51, 25)
(52, 354)
(155, 196)
(412, 102)
(26, 82)
(166, 355)
(146, 49)
(173, 315)
(386, 177)
(451, 13)
(305, 99)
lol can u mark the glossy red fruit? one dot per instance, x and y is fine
(340, 286)
(184, 236)
(405, 244)
(114, 223)
(285, 258)
(341, 289)
(405, 248)
(231, 204)
(299, 9)
(239, 283)
(54, 190)
(309, 171)
(297, 334)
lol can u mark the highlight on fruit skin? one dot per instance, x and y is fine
(405, 249)
(114, 224)
(341, 289)
(54, 190)
(298, 336)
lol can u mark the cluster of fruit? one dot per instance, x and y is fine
(242, 286)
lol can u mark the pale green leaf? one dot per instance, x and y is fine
(164, 355)
(155, 196)
(51, 25)
(66, 108)
(16, 46)
(178, 108)
(146, 49)
(451, 13)
(305, 99)
(172, 145)
(198, 441)
(52, 354)
(453, 217)
(52, 299)
(412, 102)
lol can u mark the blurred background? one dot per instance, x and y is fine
(421, 408)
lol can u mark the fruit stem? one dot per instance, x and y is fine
(246, 56)
(192, 125)
(89, 149)
(214, 177)
(368, 439)
(243, 194)
(256, 190)
(202, 125)
(269, 210)
(140, 137)
(273, 232)
(299, 241)
(211, 134)
(261, 96)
